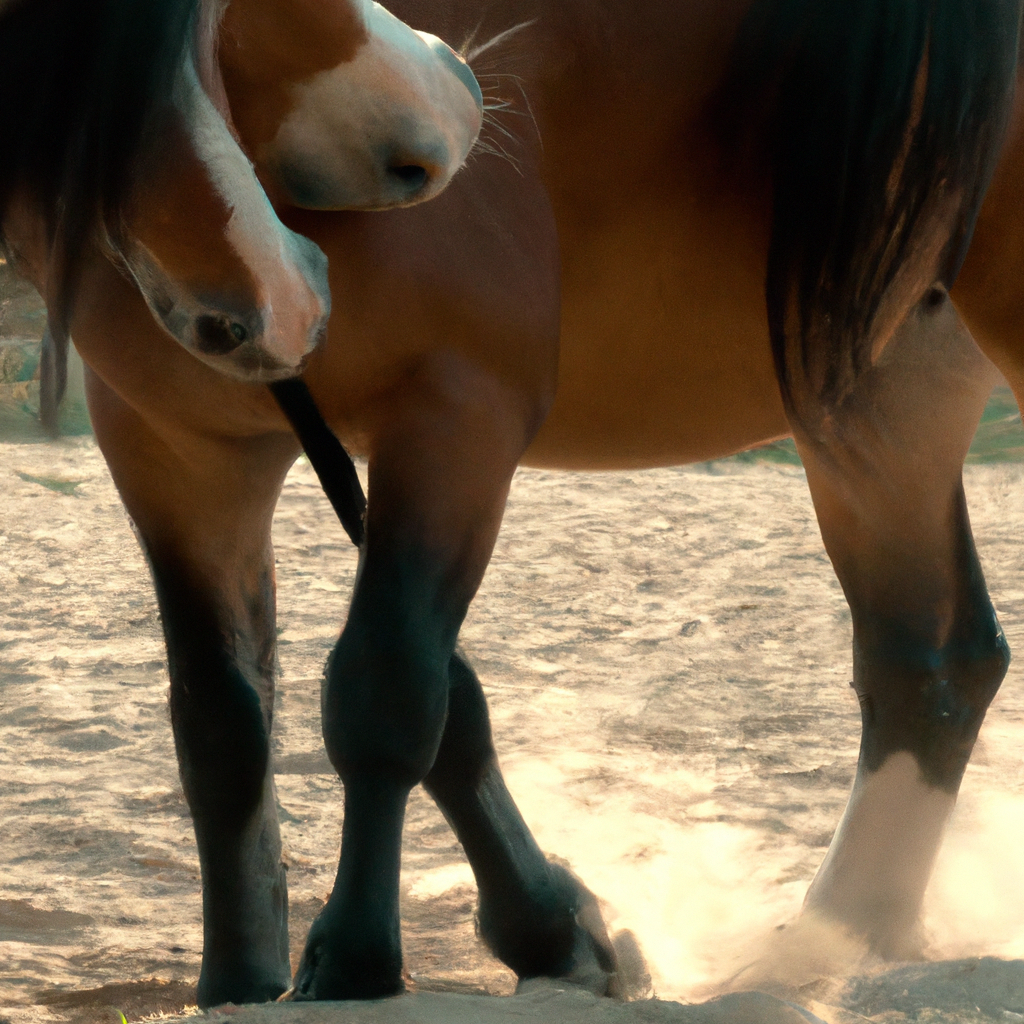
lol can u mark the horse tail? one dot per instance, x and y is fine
(53, 378)
(880, 122)
(83, 87)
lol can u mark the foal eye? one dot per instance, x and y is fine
(239, 332)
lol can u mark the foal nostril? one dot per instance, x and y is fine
(412, 176)
(216, 336)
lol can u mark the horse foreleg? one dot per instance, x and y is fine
(202, 508)
(535, 916)
(439, 475)
(885, 474)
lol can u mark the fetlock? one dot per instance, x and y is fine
(557, 932)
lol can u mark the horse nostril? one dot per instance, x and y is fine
(217, 337)
(412, 176)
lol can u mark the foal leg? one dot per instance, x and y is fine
(928, 654)
(202, 507)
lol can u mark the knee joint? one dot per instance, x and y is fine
(223, 744)
(383, 713)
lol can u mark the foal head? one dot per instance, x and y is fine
(343, 106)
(113, 143)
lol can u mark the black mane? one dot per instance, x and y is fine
(81, 85)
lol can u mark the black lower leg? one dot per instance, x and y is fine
(383, 714)
(535, 916)
(924, 693)
(220, 710)
(354, 947)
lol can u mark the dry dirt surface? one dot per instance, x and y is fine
(544, 1004)
(666, 655)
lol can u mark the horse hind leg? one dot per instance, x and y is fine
(885, 476)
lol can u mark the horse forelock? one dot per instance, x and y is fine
(83, 87)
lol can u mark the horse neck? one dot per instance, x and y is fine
(584, 63)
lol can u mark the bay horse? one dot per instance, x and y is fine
(691, 227)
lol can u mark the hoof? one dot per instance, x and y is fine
(632, 975)
(587, 970)
(594, 963)
(557, 934)
(237, 984)
(333, 966)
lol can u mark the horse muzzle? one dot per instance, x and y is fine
(389, 128)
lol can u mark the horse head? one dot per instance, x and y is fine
(342, 106)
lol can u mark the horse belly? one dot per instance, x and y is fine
(665, 356)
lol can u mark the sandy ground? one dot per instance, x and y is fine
(666, 655)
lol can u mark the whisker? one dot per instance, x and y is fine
(490, 147)
(496, 80)
(498, 74)
(491, 81)
(498, 60)
(529, 108)
(494, 123)
(484, 147)
(497, 40)
(507, 105)
(468, 41)
(506, 110)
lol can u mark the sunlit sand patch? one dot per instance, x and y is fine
(438, 881)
